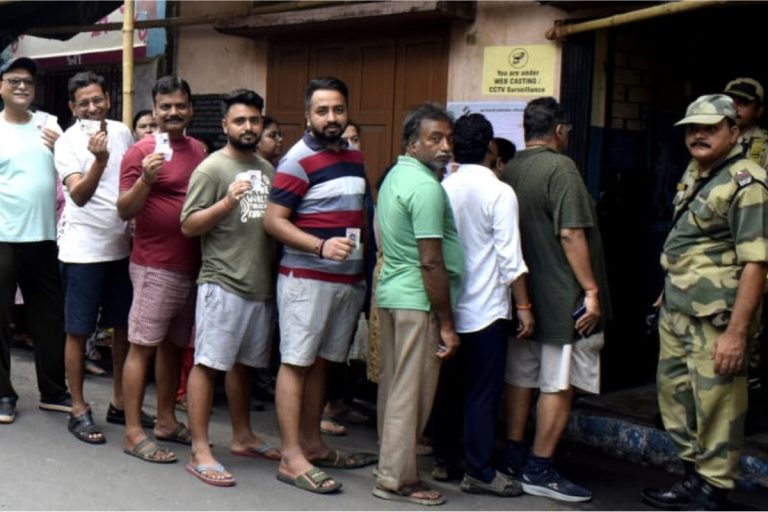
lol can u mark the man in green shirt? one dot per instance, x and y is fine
(225, 206)
(420, 279)
(566, 286)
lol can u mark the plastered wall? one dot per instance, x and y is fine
(496, 24)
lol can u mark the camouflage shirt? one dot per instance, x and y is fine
(724, 227)
(754, 145)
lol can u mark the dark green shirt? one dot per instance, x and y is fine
(553, 197)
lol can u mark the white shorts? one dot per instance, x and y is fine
(553, 368)
(231, 329)
(317, 319)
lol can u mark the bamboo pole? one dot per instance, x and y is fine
(128, 63)
(564, 30)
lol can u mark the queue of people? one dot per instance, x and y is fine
(493, 274)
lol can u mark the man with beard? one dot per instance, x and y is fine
(153, 184)
(316, 210)
(94, 244)
(419, 283)
(715, 262)
(225, 205)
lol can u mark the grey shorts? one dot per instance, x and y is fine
(231, 329)
(553, 368)
(317, 318)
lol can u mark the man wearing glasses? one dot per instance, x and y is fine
(566, 282)
(28, 239)
(94, 245)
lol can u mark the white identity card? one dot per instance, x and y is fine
(354, 235)
(254, 177)
(163, 146)
(90, 127)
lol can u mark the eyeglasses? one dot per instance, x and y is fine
(16, 82)
(96, 102)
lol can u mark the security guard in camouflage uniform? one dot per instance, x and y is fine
(715, 260)
(747, 95)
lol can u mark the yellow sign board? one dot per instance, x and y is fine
(520, 70)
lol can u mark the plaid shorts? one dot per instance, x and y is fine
(163, 306)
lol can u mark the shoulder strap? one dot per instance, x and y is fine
(702, 184)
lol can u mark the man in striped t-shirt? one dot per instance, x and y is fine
(316, 210)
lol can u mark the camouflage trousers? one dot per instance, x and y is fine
(703, 412)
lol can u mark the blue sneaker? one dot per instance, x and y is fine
(550, 484)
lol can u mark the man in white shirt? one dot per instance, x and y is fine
(94, 243)
(486, 216)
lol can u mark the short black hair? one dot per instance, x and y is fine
(169, 84)
(412, 123)
(541, 118)
(324, 84)
(268, 121)
(472, 134)
(354, 125)
(139, 115)
(84, 79)
(242, 96)
(507, 149)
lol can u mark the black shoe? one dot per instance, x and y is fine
(677, 497)
(709, 497)
(7, 410)
(61, 404)
(117, 416)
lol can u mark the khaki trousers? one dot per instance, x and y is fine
(409, 372)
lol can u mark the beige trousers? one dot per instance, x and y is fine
(409, 372)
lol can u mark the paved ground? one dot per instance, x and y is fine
(47, 468)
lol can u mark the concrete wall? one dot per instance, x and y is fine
(213, 62)
(496, 24)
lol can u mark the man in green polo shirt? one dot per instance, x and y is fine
(420, 279)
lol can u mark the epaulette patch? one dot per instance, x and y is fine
(743, 178)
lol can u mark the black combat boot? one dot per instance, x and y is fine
(677, 497)
(709, 497)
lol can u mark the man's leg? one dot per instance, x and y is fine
(167, 369)
(7, 294)
(414, 338)
(552, 412)
(485, 356)
(238, 385)
(289, 397)
(37, 269)
(522, 377)
(119, 353)
(312, 403)
(200, 399)
(721, 407)
(134, 384)
(677, 407)
(74, 353)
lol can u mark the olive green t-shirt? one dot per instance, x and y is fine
(237, 253)
(552, 197)
(413, 205)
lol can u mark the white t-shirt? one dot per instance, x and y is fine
(94, 232)
(486, 213)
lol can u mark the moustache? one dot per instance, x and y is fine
(333, 125)
(173, 119)
(700, 143)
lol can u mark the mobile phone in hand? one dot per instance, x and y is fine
(579, 312)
